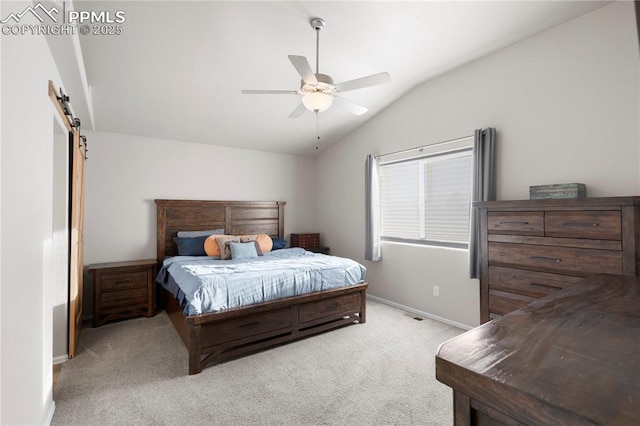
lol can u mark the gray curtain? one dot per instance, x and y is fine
(372, 210)
(484, 189)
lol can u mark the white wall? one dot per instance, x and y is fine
(26, 261)
(1, 236)
(125, 174)
(566, 107)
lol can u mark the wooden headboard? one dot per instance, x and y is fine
(236, 217)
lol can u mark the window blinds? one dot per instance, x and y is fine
(427, 199)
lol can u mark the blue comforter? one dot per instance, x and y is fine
(205, 284)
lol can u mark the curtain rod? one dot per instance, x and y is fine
(423, 147)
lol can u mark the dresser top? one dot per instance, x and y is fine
(569, 358)
(564, 202)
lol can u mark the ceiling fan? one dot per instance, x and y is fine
(318, 90)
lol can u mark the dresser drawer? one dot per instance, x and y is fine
(501, 303)
(123, 281)
(520, 223)
(597, 225)
(240, 328)
(337, 306)
(556, 259)
(123, 299)
(528, 283)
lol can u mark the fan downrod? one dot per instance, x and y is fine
(317, 23)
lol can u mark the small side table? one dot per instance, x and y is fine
(319, 249)
(123, 290)
(309, 242)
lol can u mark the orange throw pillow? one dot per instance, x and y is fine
(211, 245)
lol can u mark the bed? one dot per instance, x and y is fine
(215, 337)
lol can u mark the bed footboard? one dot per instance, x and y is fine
(218, 337)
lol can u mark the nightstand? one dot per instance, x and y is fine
(310, 242)
(319, 249)
(123, 290)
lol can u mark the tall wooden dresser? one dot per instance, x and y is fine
(532, 248)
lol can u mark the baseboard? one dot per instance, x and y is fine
(60, 359)
(52, 409)
(421, 313)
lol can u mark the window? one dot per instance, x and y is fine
(426, 199)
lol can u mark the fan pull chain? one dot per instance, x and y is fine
(317, 130)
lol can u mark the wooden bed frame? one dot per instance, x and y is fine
(217, 337)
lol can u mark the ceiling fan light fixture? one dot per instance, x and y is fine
(317, 101)
(318, 90)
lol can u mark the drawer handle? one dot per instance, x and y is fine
(514, 223)
(589, 224)
(130, 280)
(546, 285)
(549, 259)
(249, 324)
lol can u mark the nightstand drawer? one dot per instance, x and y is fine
(120, 299)
(124, 281)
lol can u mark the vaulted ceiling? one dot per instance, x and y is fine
(177, 69)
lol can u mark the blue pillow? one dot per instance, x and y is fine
(243, 250)
(191, 246)
(278, 243)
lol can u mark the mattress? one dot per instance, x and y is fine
(203, 284)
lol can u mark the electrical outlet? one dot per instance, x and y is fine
(436, 290)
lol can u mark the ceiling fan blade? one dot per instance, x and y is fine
(270, 92)
(301, 65)
(360, 83)
(349, 106)
(298, 111)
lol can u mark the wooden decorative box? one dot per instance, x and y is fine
(558, 191)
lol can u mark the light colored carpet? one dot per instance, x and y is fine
(378, 373)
